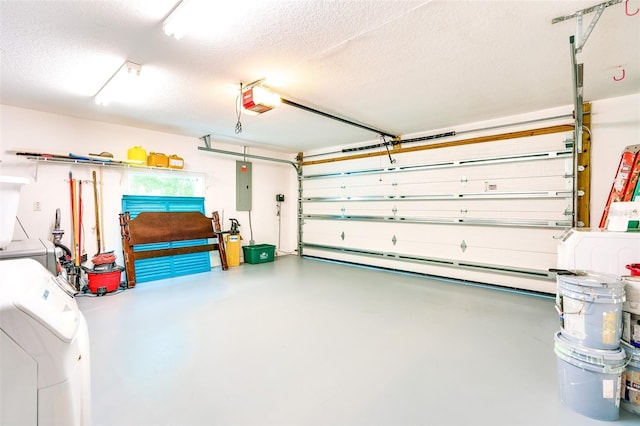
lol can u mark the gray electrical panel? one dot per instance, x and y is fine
(243, 186)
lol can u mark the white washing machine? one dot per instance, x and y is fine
(44, 349)
(41, 250)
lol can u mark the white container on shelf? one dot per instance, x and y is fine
(599, 251)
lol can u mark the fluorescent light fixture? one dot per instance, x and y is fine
(120, 85)
(204, 18)
(178, 22)
(259, 99)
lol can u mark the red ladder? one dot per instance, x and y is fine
(626, 180)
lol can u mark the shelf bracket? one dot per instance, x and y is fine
(585, 11)
(207, 141)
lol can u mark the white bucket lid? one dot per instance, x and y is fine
(596, 294)
(598, 360)
(592, 279)
(587, 294)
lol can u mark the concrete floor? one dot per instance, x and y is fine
(306, 342)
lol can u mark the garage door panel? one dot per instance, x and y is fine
(496, 187)
(486, 209)
(446, 249)
(479, 186)
(376, 181)
(476, 236)
(554, 168)
(539, 284)
(452, 239)
(550, 210)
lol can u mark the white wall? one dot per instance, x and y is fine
(29, 130)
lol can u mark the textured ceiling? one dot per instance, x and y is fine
(400, 66)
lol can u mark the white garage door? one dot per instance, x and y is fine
(489, 212)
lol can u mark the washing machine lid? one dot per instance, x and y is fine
(28, 286)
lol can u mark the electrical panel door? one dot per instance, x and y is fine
(243, 186)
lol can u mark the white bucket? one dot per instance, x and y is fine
(590, 308)
(630, 393)
(10, 195)
(589, 380)
(631, 328)
(632, 288)
(633, 307)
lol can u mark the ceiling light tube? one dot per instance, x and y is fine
(177, 23)
(120, 84)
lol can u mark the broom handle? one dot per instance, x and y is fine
(102, 233)
(80, 220)
(74, 224)
(95, 206)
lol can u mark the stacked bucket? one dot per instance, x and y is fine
(631, 344)
(591, 361)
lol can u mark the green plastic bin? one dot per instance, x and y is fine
(259, 253)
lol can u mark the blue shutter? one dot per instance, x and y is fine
(169, 266)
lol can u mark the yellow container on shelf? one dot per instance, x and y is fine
(233, 249)
(137, 155)
(157, 159)
(176, 162)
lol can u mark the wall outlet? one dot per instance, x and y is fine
(36, 206)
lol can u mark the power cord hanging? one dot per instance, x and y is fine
(251, 241)
(239, 111)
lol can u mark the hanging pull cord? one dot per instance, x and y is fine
(386, 145)
(239, 111)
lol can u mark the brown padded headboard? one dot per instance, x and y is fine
(162, 227)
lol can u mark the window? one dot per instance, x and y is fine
(164, 183)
